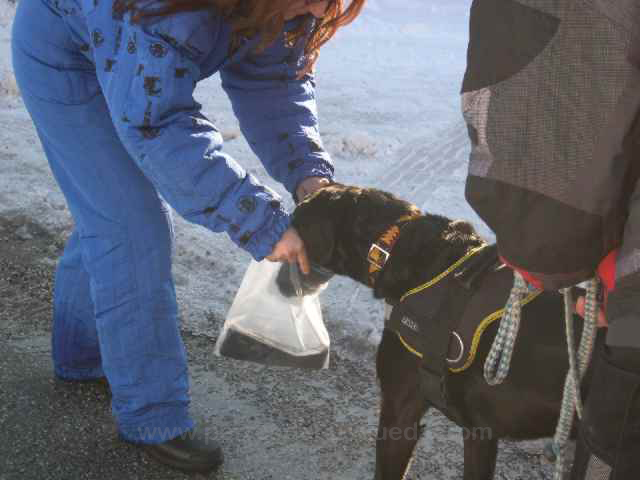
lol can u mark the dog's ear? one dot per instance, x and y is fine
(319, 240)
(464, 227)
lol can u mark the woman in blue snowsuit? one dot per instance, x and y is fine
(111, 95)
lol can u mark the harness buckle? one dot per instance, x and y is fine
(375, 252)
(457, 336)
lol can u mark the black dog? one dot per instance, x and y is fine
(339, 224)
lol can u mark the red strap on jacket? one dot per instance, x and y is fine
(529, 277)
(606, 272)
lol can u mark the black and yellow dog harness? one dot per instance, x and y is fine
(443, 320)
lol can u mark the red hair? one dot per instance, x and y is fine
(266, 18)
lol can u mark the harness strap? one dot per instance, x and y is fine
(442, 310)
(443, 275)
(482, 327)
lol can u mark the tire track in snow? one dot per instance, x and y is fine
(431, 171)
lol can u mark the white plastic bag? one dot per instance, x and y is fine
(266, 327)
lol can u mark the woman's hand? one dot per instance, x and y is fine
(317, 8)
(290, 248)
(310, 185)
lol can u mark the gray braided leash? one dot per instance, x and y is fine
(578, 364)
(498, 363)
(496, 367)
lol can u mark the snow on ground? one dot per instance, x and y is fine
(390, 116)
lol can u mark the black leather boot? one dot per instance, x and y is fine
(608, 446)
(190, 452)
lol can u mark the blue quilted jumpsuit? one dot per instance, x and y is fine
(112, 102)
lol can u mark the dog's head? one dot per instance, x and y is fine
(339, 224)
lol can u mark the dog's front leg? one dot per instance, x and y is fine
(480, 451)
(401, 410)
(398, 433)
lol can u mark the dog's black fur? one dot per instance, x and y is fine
(338, 224)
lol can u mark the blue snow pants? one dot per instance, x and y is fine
(115, 310)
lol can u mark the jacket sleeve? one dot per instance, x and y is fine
(148, 75)
(277, 112)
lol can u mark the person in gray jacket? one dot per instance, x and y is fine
(551, 97)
